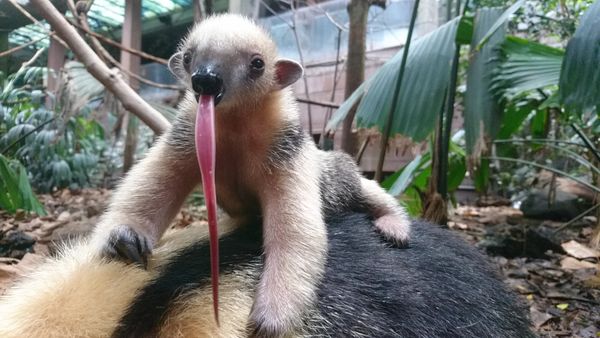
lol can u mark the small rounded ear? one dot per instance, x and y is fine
(176, 65)
(287, 72)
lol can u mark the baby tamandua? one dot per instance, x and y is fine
(266, 167)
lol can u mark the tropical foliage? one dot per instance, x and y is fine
(58, 150)
(512, 91)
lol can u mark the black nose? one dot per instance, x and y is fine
(206, 82)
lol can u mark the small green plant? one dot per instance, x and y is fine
(15, 191)
(411, 181)
(58, 150)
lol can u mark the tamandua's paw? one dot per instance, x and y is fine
(127, 245)
(269, 317)
(395, 228)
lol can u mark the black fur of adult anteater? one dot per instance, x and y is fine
(438, 287)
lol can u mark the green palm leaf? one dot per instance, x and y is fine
(419, 102)
(527, 66)
(482, 113)
(580, 76)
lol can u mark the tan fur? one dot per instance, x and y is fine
(295, 242)
(194, 317)
(79, 295)
(287, 195)
(72, 296)
(151, 194)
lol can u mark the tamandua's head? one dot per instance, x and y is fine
(232, 59)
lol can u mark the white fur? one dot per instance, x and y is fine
(295, 242)
(391, 219)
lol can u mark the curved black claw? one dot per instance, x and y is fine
(128, 246)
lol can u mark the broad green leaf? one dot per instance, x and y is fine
(481, 176)
(8, 175)
(526, 66)
(6, 200)
(406, 176)
(500, 22)
(419, 104)
(30, 202)
(580, 75)
(514, 116)
(482, 113)
(427, 72)
(411, 200)
(539, 124)
(464, 34)
(457, 168)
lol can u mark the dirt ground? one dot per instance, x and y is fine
(554, 270)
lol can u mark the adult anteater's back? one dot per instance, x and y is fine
(439, 286)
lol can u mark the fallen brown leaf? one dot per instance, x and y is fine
(579, 250)
(539, 318)
(593, 282)
(570, 263)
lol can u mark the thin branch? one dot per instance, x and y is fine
(25, 45)
(538, 140)
(567, 297)
(331, 105)
(304, 79)
(361, 150)
(35, 21)
(588, 143)
(107, 56)
(577, 218)
(390, 119)
(292, 26)
(114, 83)
(22, 137)
(335, 83)
(545, 167)
(332, 20)
(575, 156)
(33, 58)
(120, 46)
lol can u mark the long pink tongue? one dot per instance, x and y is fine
(205, 152)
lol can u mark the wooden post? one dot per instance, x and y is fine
(56, 60)
(358, 10)
(199, 11)
(132, 38)
(4, 47)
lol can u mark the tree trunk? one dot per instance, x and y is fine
(132, 38)
(4, 46)
(358, 11)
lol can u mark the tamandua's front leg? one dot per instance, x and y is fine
(390, 218)
(295, 248)
(145, 202)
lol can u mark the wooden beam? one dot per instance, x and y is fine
(131, 38)
(56, 60)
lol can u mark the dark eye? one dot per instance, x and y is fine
(257, 63)
(187, 58)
